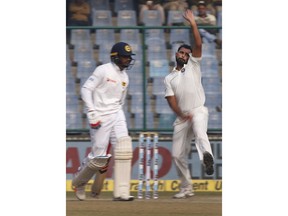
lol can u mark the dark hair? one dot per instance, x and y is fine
(186, 46)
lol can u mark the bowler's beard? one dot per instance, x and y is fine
(180, 62)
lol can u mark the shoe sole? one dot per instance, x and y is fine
(121, 199)
(208, 161)
(95, 195)
(184, 197)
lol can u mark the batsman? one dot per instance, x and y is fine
(104, 94)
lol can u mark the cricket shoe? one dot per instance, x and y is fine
(130, 198)
(208, 162)
(95, 195)
(184, 193)
(80, 193)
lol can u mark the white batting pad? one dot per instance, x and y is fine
(83, 176)
(88, 169)
(122, 168)
(98, 183)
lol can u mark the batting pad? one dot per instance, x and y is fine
(88, 169)
(122, 167)
(98, 183)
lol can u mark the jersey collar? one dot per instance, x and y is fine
(175, 70)
(117, 68)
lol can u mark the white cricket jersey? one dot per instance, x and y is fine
(106, 89)
(186, 85)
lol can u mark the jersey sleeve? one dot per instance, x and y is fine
(196, 60)
(94, 80)
(168, 88)
(87, 89)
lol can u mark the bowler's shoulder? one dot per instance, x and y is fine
(194, 60)
(170, 76)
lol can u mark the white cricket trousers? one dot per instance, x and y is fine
(113, 127)
(182, 137)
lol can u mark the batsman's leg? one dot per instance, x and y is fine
(98, 184)
(122, 169)
(99, 181)
(100, 176)
(85, 173)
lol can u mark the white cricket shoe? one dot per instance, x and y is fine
(80, 193)
(129, 198)
(184, 193)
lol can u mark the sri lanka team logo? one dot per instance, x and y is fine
(127, 48)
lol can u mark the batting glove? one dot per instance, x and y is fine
(94, 119)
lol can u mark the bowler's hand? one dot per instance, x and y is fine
(188, 15)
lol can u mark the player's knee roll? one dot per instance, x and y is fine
(123, 148)
(98, 162)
